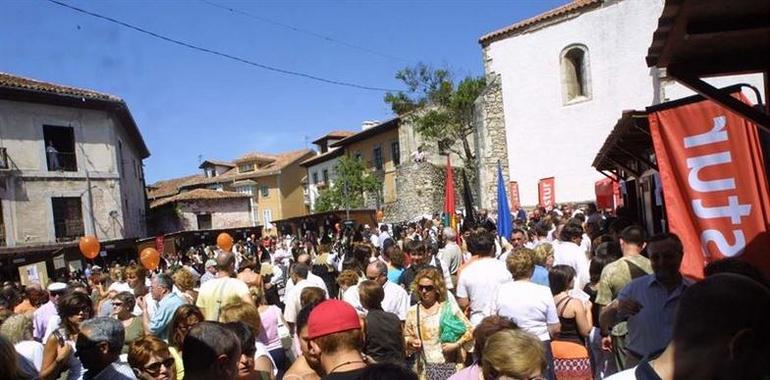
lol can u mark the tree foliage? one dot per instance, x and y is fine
(440, 110)
(350, 173)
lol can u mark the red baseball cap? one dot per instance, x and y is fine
(331, 317)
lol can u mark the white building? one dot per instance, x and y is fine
(320, 169)
(70, 165)
(567, 75)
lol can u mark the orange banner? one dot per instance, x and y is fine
(546, 192)
(513, 188)
(714, 184)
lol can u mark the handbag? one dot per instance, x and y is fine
(434, 371)
(451, 328)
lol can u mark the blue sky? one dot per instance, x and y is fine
(188, 103)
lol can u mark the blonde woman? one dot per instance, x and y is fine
(529, 305)
(513, 354)
(346, 279)
(185, 282)
(544, 255)
(248, 313)
(18, 330)
(422, 329)
(118, 278)
(272, 322)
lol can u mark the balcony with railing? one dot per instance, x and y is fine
(61, 161)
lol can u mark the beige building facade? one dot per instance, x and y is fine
(268, 187)
(70, 165)
(378, 147)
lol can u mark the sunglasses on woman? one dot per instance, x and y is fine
(426, 288)
(154, 368)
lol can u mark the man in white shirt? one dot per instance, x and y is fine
(384, 235)
(315, 280)
(568, 252)
(374, 238)
(451, 255)
(292, 300)
(396, 299)
(480, 279)
(517, 241)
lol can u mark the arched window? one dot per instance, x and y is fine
(575, 74)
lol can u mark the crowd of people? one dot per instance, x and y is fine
(569, 294)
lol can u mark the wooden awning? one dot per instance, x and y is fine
(701, 38)
(627, 151)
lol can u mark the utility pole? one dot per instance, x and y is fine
(91, 204)
(347, 199)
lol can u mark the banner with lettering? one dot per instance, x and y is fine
(546, 192)
(513, 187)
(714, 184)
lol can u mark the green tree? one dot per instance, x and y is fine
(351, 185)
(440, 110)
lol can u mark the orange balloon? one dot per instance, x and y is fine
(150, 258)
(89, 246)
(225, 242)
(380, 215)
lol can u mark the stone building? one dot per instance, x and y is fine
(252, 190)
(200, 209)
(420, 182)
(70, 165)
(411, 187)
(564, 78)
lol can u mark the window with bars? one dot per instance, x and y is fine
(377, 153)
(204, 221)
(67, 218)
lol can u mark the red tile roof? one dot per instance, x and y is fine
(334, 135)
(15, 81)
(574, 6)
(169, 187)
(17, 88)
(172, 187)
(198, 194)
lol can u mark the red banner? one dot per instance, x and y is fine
(513, 188)
(159, 241)
(608, 195)
(714, 184)
(546, 192)
(603, 189)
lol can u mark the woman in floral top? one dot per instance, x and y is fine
(432, 294)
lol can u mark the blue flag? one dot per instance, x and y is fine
(504, 225)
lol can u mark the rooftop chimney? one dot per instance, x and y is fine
(368, 124)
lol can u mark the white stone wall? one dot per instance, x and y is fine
(547, 138)
(225, 213)
(26, 190)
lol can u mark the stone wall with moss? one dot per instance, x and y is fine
(491, 140)
(420, 191)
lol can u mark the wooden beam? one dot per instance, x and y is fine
(744, 110)
(636, 157)
(624, 167)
